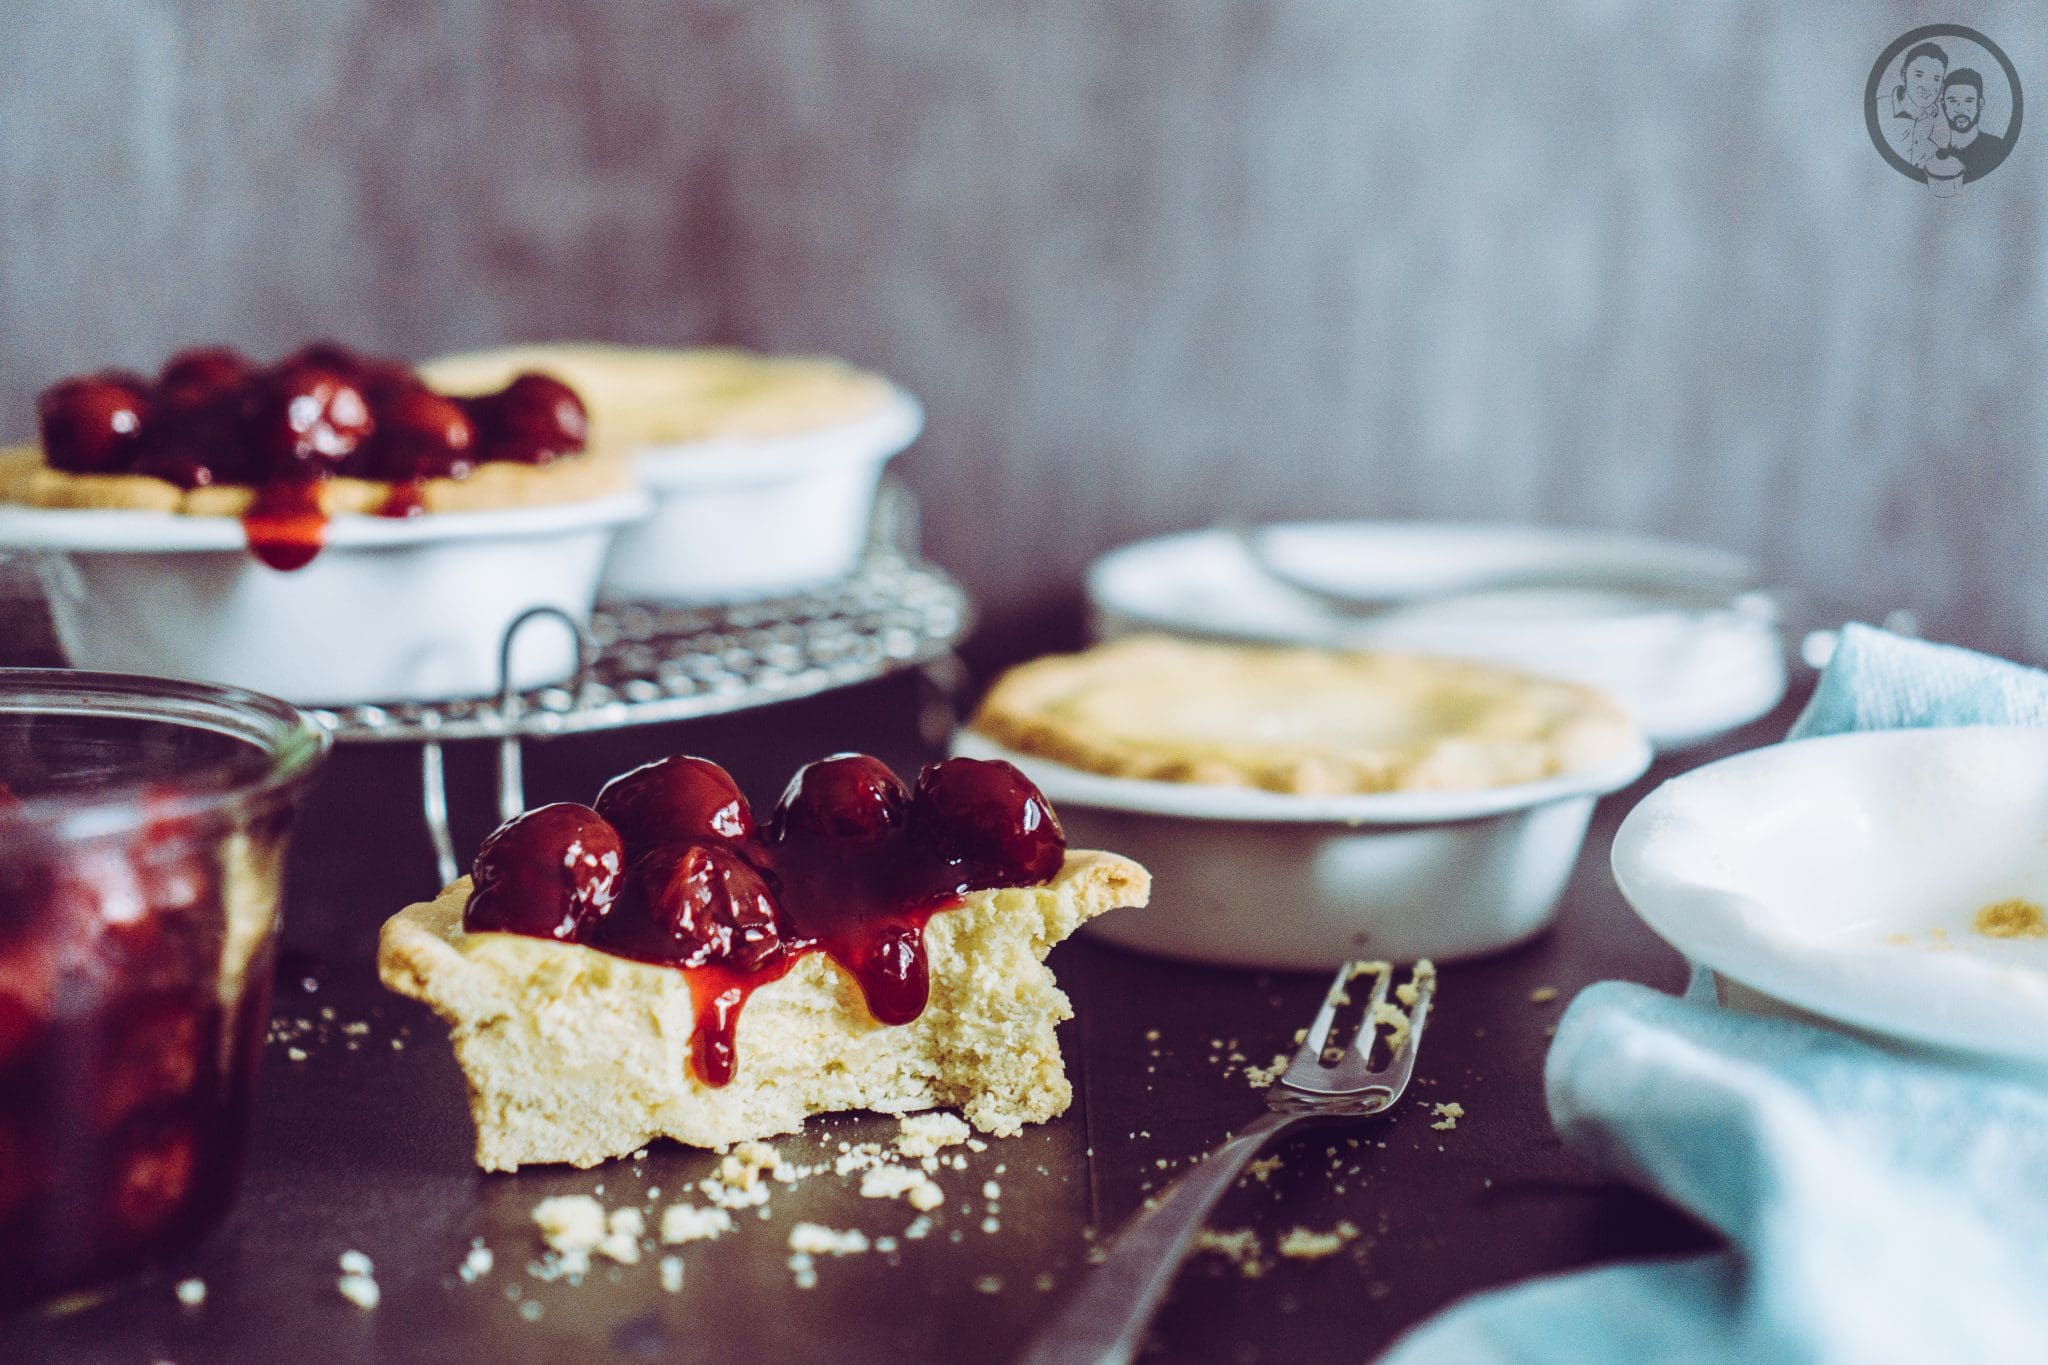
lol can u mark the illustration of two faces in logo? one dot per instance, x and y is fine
(1933, 116)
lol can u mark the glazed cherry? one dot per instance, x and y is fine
(546, 873)
(710, 904)
(844, 799)
(200, 374)
(987, 816)
(678, 797)
(305, 420)
(533, 419)
(420, 435)
(92, 425)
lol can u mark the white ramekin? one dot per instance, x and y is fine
(390, 609)
(1271, 880)
(755, 516)
(1836, 879)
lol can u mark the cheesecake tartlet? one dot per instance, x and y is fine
(328, 528)
(1312, 806)
(764, 469)
(660, 965)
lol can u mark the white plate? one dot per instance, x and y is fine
(1687, 676)
(742, 517)
(1271, 880)
(390, 609)
(1839, 876)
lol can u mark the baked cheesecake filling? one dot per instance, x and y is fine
(669, 867)
(212, 417)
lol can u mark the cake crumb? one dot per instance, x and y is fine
(1306, 1244)
(477, 1263)
(924, 1134)
(899, 1182)
(815, 1239)
(623, 1228)
(570, 1223)
(1260, 1077)
(682, 1223)
(1543, 995)
(2011, 919)
(672, 1274)
(1447, 1115)
(359, 1290)
(191, 1292)
(1240, 1246)
(297, 1054)
(1265, 1166)
(989, 1284)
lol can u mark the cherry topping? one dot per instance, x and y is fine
(709, 902)
(678, 797)
(420, 435)
(988, 816)
(855, 868)
(304, 420)
(844, 799)
(546, 873)
(533, 419)
(92, 425)
(198, 374)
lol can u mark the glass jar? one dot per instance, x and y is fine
(142, 837)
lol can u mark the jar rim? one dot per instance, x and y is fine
(292, 742)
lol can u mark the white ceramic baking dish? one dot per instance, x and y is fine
(409, 609)
(1672, 630)
(757, 516)
(1838, 879)
(1266, 879)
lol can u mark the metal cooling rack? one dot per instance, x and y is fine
(648, 662)
(644, 662)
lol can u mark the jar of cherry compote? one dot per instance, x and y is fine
(142, 836)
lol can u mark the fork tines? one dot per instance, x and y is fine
(1352, 1070)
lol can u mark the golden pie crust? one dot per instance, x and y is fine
(24, 478)
(640, 397)
(1309, 721)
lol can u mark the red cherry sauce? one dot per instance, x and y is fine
(285, 525)
(124, 1073)
(212, 417)
(408, 499)
(850, 866)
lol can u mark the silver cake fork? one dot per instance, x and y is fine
(1105, 1320)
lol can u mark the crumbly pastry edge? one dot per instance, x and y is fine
(497, 485)
(423, 953)
(1019, 713)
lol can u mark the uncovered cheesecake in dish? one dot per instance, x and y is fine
(763, 468)
(1382, 805)
(328, 528)
(659, 964)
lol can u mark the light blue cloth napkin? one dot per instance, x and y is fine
(1876, 1209)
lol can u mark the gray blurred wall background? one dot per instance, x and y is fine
(1608, 262)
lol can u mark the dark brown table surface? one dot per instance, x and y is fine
(365, 1146)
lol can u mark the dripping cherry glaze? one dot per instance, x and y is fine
(864, 904)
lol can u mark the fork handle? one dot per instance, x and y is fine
(1105, 1319)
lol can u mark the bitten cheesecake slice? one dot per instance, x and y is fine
(714, 990)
